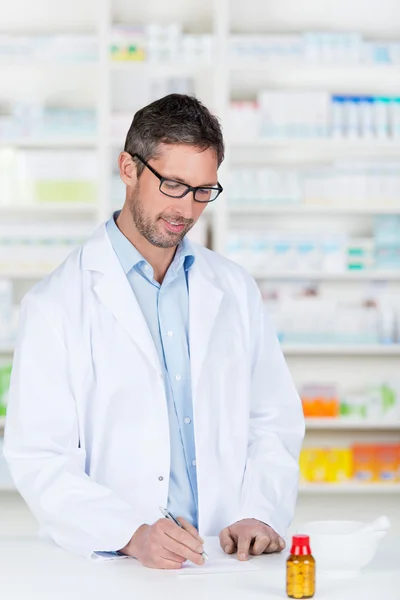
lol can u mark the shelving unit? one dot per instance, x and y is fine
(95, 81)
(338, 147)
(374, 350)
(6, 349)
(157, 70)
(310, 210)
(51, 142)
(350, 488)
(350, 366)
(342, 424)
(329, 276)
(54, 209)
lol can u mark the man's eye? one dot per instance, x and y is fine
(172, 185)
(204, 192)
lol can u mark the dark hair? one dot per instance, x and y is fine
(174, 119)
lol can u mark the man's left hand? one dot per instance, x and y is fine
(250, 536)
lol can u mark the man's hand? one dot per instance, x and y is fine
(250, 536)
(164, 545)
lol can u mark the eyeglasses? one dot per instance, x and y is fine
(177, 189)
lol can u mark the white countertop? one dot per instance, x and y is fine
(32, 569)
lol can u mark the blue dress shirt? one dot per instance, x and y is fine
(166, 310)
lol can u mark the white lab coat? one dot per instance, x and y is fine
(87, 435)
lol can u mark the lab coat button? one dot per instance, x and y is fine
(161, 478)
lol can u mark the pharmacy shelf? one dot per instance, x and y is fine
(27, 274)
(2, 422)
(341, 350)
(50, 142)
(50, 208)
(300, 209)
(149, 69)
(50, 63)
(318, 70)
(6, 349)
(325, 145)
(367, 275)
(328, 76)
(350, 488)
(341, 424)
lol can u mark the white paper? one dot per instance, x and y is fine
(218, 562)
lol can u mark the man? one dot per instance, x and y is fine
(146, 374)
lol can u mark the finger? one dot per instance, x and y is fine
(227, 542)
(282, 544)
(273, 546)
(260, 544)
(165, 563)
(243, 546)
(168, 555)
(183, 537)
(190, 529)
(181, 550)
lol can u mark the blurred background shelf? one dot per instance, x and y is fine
(108, 92)
(150, 69)
(366, 275)
(374, 350)
(350, 488)
(293, 209)
(6, 349)
(339, 147)
(56, 208)
(342, 424)
(50, 142)
(298, 72)
(27, 274)
(46, 64)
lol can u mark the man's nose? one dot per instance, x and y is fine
(184, 207)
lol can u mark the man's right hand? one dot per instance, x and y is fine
(164, 545)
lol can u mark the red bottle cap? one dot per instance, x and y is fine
(300, 545)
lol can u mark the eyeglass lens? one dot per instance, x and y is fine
(176, 189)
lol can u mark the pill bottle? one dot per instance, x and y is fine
(300, 569)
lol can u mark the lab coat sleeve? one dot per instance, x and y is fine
(276, 430)
(43, 451)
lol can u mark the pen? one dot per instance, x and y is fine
(170, 516)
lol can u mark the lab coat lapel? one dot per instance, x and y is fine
(205, 298)
(114, 291)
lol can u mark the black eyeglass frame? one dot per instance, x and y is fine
(190, 188)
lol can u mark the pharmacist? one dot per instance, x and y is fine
(147, 374)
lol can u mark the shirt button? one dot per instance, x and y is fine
(194, 463)
(170, 333)
(161, 478)
(178, 377)
(187, 420)
(147, 268)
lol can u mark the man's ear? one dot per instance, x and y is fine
(127, 169)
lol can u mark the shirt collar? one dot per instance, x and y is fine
(126, 252)
(130, 257)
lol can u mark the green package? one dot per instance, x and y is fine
(5, 376)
